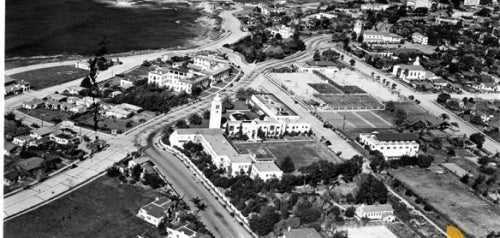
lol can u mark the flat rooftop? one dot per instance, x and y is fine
(272, 102)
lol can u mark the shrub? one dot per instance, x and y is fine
(113, 171)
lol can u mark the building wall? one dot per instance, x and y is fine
(150, 219)
(390, 149)
(265, 175)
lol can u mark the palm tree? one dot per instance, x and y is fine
(454, 125)
(201, 207)
(196, 201)
(445, 116)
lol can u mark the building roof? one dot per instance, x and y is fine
(395, 136)
(302, 233)
(266, 166)
(320, 63)
(272, 102)
(383, 33)
(9, 146)
(35, 101)
(11, 175)
(376, 208)
(204, 131)
(411, 67)
(31, 163)
(158, 207)
(57, 97)
(43, 131)
(129, 107)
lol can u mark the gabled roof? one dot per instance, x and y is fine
(377, 208)
(30, 164)
(9, 146)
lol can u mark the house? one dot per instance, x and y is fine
(30, 165)
(80, 64)
(9, 148)
(381, 37)
(78, 109)
(383, 212)
(75, 90)
(391, 145)
(182, 230)
(374, 7)
(284, 31)
(419, 4)
(123, 110)
(300, 233)
(419, 38)
(41, 132)
(264, 10)
(13, 86)
(114, 94)
(73, 100)
(33, 104)
(21, 140)
(10, 177)
(64, 138)
(407, 73)
(321, 66)
(471, 2)
(156, 211)
(266, 170)
(137, 161)
(488, 87)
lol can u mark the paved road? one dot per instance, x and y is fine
(216, 218)
(428, 100)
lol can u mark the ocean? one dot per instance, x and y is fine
(69, 27)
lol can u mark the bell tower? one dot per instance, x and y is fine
(216, 113)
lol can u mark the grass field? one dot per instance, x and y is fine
(47, 77)
(452, 199)
(103, 208)
(302, 153)
(324, 88)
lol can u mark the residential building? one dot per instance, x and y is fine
(419, 4)
(80, 64)
(488, 87)
(446, 20)
(63, 138)
(75, 90)
(376, 212)
(419, 38)
(9, 148)
(300, 233)
(285, 31)
(391, 145)
(10, 177)
(459, 14)
(471, 2)
(264, 10)
(381, 37)
(13, 86)
(327, 67)
(177, 79)
(21, 140)
(410, 72)
(30, 165)
(156, 211)
(374, 7)
(265, 170)
(33, 104)
(182, 230)
(41, 132)
(121, 111)
(224, 155)
(214, 67)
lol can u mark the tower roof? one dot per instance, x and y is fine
(217, 98)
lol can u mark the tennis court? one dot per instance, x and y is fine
(355, 119)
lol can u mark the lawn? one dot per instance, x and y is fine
(47, 114)
(302, 153)
(452, 199)
(47, 77)
(103, 208)
(495, 135)
(324, 88)
(351, 102)
(106, 124)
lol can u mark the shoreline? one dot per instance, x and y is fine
(205, 25)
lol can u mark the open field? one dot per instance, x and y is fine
(351, 102)
(47, 115)
(355, 119)
(302, 153)
(324, 88)
(452, 199)
(103, 208)
(299, 83)
(370, 232)
(47, 77)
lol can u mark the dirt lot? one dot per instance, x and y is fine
(47, 77)
(103, 208)
(301, 152)
(454, 200)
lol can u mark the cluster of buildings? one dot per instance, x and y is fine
(75, 104)
(224, 155)
(205, 70)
